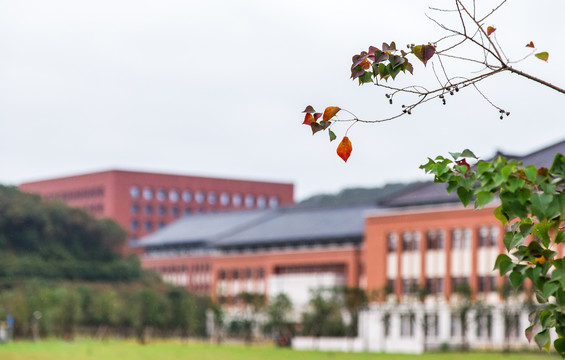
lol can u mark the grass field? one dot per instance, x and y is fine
(170, 350)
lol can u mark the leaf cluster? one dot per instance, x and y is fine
(532, 209)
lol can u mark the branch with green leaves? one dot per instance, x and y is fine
(532, 209)
(379, 65)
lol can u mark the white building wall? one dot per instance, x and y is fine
(372, 331)
(436, 263)
(486, 257)
(411, 265)
(299, 287)
(391, 265)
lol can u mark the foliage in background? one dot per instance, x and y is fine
(532, 209)
(50, 239)
(62, 263)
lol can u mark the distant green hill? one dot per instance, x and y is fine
(355, 196)
(62, 263)
(50, 239)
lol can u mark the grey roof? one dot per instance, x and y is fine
(434, 193)
(290, 224)
(302, 224)
(203, 228)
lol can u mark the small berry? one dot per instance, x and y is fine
(390, 101)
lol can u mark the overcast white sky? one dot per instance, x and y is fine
(215, 88)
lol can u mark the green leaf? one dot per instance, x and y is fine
(483, 166)
(506, 171)
(511, 240)
(515, 183)
(464, 195)
(367, 77)
(541, 230)
(549, 288)
(545, 319)
(526, 226)
(396, 60)
(560, 237)
(531, 172)
(504, 264)
(516, 278)
(468, 154)
(558, 166)
(455, 155)
(500, 215)
(393, 71)
(543, 56)
(483, 198)
(383, 71)
(542, 339)
(558, 275)
(559, 345)
(545, 206)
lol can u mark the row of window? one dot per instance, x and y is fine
(436, 285)
(148, 225)
(183, 268)
(77, 194)
(435, 239)
(432, 325)
(200, 197)
(162, 210)
(234, 274)
(96, 209)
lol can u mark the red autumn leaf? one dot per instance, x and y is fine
(530, 45)
(490, 30)
(330, 112)
(317, 116)
(309, 109)
(463, 162)
(308, 119)
(424, 52)
(344, 148)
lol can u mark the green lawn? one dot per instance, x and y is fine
(125, 350)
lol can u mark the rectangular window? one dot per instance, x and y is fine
(493, 286)
(390, 286)
(431, 325)
(482, 284)
(392, 242)
(407, 325)
(386, 323)
(407, 241)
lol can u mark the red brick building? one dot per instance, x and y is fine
(143, 202)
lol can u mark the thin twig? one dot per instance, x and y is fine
(492, 12)
(477, 23)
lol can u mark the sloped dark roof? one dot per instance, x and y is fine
(290, 224)
(543, 157)
(302, 224)
(435, 193)
(204, 228)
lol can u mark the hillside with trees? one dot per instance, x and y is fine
(60, 274)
